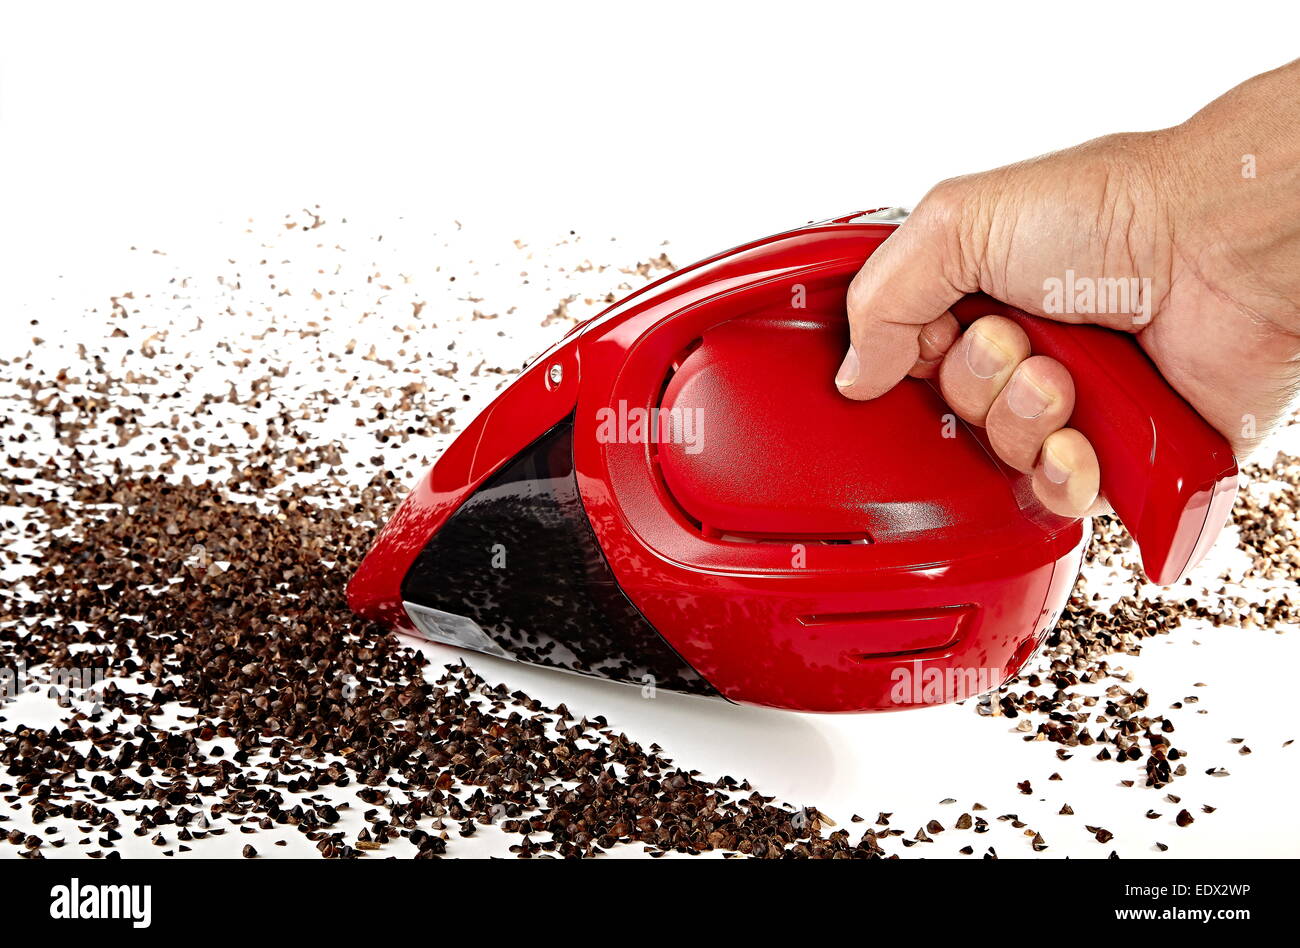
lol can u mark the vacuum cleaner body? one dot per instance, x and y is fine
(676, 495)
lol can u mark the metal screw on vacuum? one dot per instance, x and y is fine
(556, 373)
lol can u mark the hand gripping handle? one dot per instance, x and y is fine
(1170, 476)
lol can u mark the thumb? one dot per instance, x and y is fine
(897, 303)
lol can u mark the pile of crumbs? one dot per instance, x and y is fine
(196, 466)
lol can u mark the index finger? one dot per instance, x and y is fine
(906, 285)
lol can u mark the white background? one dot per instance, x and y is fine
(703, 123)
(720, 121)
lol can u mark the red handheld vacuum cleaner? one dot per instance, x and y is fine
(676, 494)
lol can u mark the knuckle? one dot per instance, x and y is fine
(947, 196)
(955, 211)
(856, 297)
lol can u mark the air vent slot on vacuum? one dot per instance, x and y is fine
(861, 539)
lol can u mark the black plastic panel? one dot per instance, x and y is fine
(520, 559)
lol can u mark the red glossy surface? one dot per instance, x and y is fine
(1170, 477)
(816, 464)
(737, 611)
(721, 548)
(520, 414)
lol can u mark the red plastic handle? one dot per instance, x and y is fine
(1170, 476)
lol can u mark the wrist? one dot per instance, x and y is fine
(1229, 179)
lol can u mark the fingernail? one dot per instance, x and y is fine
(1055, 471)
(983, 357)
(1025, 398)
(848, 372)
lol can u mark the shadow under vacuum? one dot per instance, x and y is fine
(710, 734)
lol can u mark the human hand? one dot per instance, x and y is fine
(1189, 238)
